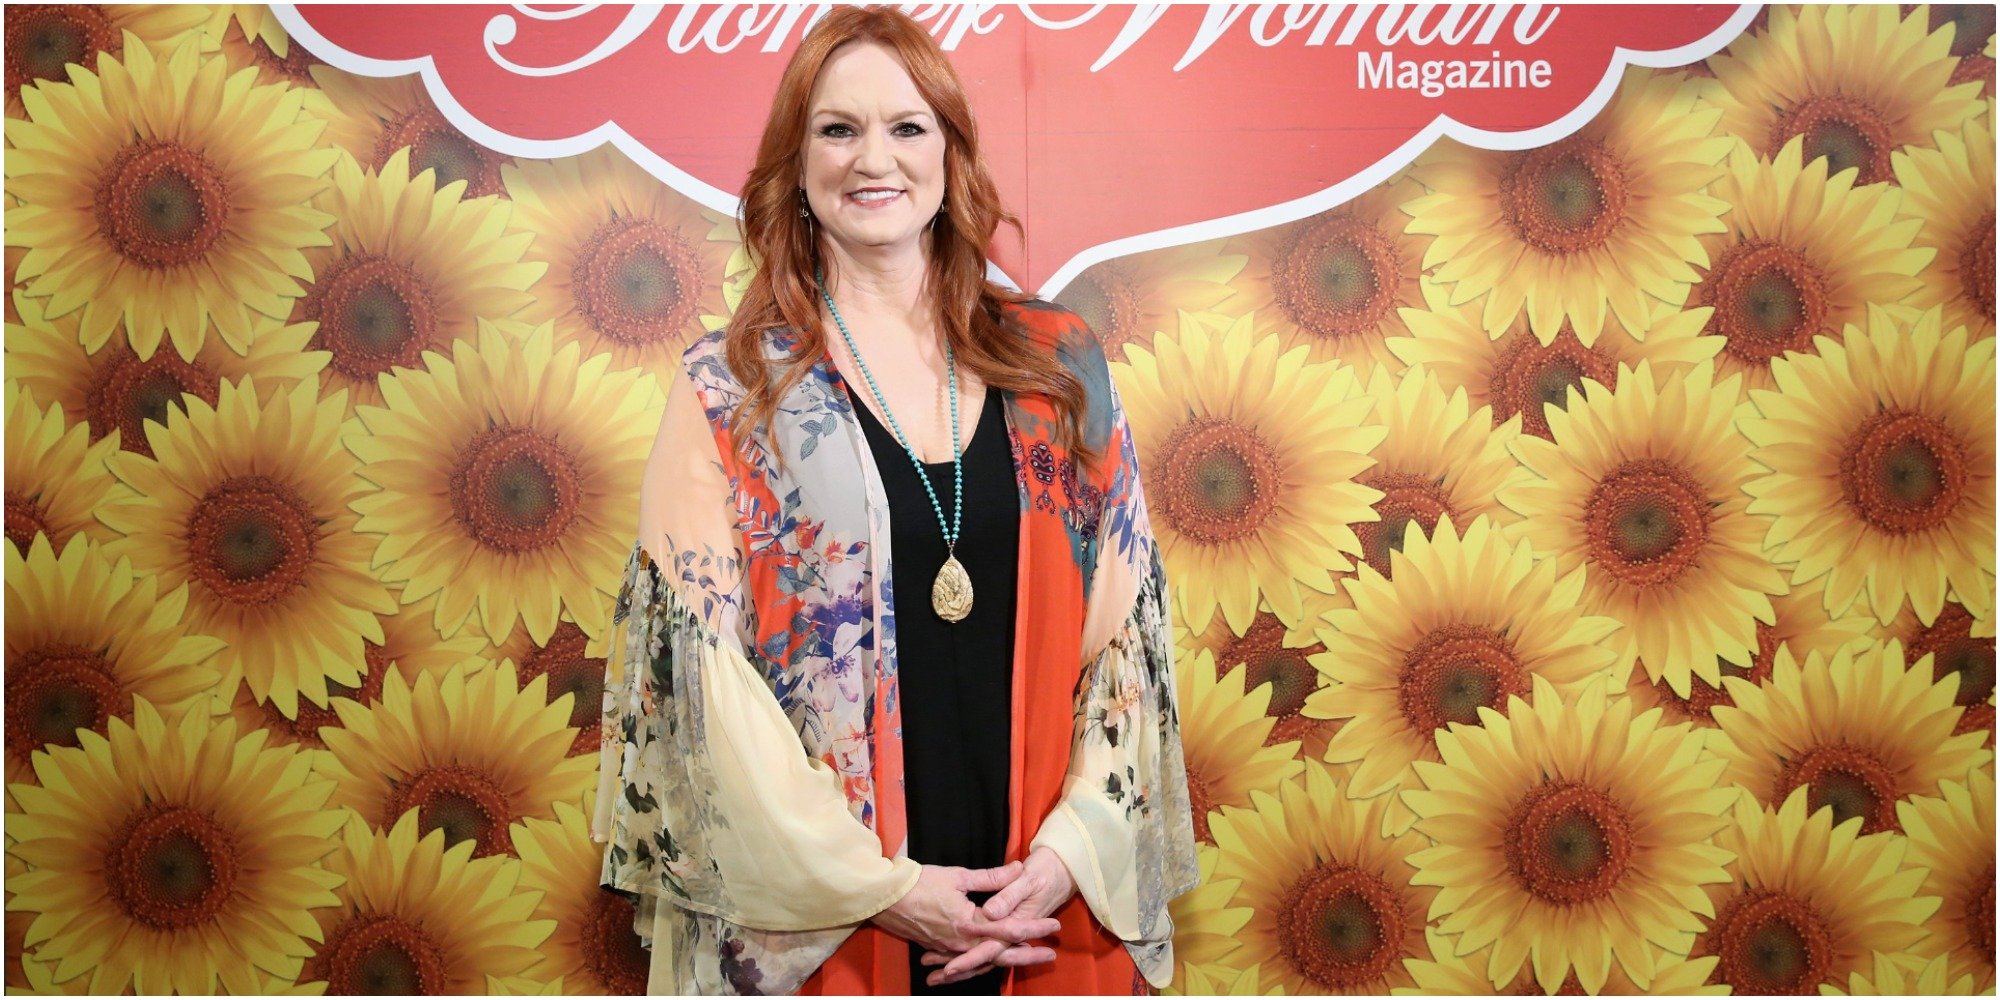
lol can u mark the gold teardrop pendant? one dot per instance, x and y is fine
(951, 593)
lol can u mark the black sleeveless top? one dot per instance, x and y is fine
(956, 678)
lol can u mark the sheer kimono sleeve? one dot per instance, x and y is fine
(1123, 825)
(707, 798)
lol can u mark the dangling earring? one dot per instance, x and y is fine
(943, 207)
(805, 207)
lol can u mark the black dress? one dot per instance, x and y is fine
(956, 678)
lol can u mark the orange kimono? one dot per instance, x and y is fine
(751, 794)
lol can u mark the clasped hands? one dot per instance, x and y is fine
(967, 939)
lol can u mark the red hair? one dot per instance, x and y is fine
(785, 248)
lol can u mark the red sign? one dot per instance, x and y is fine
(1110, 129)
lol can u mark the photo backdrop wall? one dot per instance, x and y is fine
(1570, 433)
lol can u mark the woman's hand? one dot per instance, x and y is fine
(936, 914)
(1042, 886)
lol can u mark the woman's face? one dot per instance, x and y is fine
(874, 152)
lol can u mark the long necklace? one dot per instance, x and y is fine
(951, 592)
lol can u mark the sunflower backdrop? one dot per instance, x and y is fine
(1584, 555)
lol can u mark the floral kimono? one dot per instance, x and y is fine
(751, 788)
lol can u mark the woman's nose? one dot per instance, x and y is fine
(875, 159)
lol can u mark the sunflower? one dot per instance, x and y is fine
(1937, 977)
(192, 857)
(1251, 458)
(249, 35)
(1605, 220)
(1215, 980)
(1860, 731)
(469, 750)
(411, 269)
(1881, 452)
(1463, 622)
(164, 196)
(567, 660)
(1225, 729)
(418, 916)
(1278, 655)
(503, 475)
(56, 477)
(1570, 834)
(1446, 974)
(1645, 486)
(43, 39)
(1206, 928)
(636, 269)
(112, 390)
(1803, 255)
(1801, 623)
(375, 117)
(85, 636)
(1130, 299)
(1807, 900)
(594, 948)
(1856, 82)
(1949, 192)
(1516, 374)
(1971, 40)
(1952, 837)
(1333, 908)
(410, 645)
(246, 502)
(1340, 278)
(1441, 459)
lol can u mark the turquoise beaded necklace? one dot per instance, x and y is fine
(951, 592)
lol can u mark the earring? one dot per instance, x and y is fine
(805, 207)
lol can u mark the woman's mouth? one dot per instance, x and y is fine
(874, 197)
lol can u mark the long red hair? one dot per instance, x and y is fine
(785, 249)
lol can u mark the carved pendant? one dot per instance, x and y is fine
(951, 593)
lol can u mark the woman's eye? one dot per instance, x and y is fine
(909, 129)
(836, 131)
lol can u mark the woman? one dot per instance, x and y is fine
(894, 632)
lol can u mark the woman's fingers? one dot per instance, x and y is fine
(1022, 954)
(1004, 901)
(969, 963)
(988, 879)
(1014, 930)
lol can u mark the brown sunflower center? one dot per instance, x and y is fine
(380, 954)
(160, 204)
(251, 540)
(1903, 472)
(1768, 299)
(1407, 499)
(1979, 914)
(1646, 522)
(1201, 799)
(374, 314)
(1955, 651)
(1851, 780)
(1107, 300)
(1564, 198)
(464, 802)
(1267, 660)
(515, 489)
(55, 691)
(1528, 376)
(44, 38)
(294, 66)
(435, 145)
(611, 948)
(569, 671)
(1342, 927)
(1568, 843)
(1975, 265)
(1769, 944)
(1337, 277)
(25, 520)
(125, 393)
(1703, 697)
(1221, 480)
(1846, 130)
(1977, 718)
(1454, 671)
(1972, 25)
(637, 281)
(171, 866)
